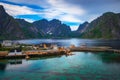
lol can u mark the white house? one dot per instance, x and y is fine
(7, 43)
(15, 53)
(55, 47)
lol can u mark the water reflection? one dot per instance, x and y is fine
(110, 57)
(15, 61)
(44, 58)
(81, 65)
(3, 64)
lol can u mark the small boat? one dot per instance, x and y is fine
(27, 57)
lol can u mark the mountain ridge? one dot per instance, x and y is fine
(106, 26)
(8, 27)
(11, 28)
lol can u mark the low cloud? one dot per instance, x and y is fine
(73, 28)
(70, 18)
(15, 10)
(60, 11)
(62, 6)
(57, 9)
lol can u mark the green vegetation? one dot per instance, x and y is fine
(105, 27)
(5, 49)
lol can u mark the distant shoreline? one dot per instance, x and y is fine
(56, 38)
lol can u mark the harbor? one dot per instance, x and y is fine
(55, 51)
(59, 58)
(35, 53)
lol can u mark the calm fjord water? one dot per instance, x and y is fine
(77, 42)
(80, 66)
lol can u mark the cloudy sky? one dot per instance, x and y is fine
(70, 12)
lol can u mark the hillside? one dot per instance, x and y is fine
(106, 26)
(9, 27)
(53, 28)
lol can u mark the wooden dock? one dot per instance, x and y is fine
(35, 53)
(61, 51)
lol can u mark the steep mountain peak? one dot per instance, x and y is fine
(82, 27)
(108, 13)
(41, 21)
(85, 22)
(44, 20)
(9, 27)
(55, 21)
(2, 10)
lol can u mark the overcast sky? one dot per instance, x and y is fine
(70, 12)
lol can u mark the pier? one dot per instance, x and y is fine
(34, 53)
(60, 51)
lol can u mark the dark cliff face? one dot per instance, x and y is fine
(53, 28)
(2, 10)
(82, 27)
(42, 25)
(106, 26)
(28, 29)
(59, 29)
(9, 27)
(23, 23)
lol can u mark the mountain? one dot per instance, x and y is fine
(106, 26)
(9, 27)
(29, 30)
(53, 28)
(82, 27)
